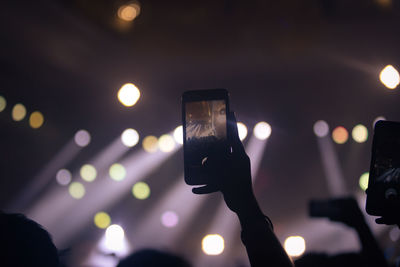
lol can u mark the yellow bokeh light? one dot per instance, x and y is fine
(36, 119)
(166, 143)
(76, 190)
(178, 134)
(18, 112)
(88, 173)
(295, 246)
(390, 77)
(117, 172)
(360, 133)
(141, 190)
(340, 135)
(150, 144)
(213, 244)
(3, 103)
(129, 12)
(102, 220)
(128, 94)
(242, 129)
(363, 182)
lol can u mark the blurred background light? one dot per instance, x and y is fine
(340, 135)
(129, 12)
(82, 138)
(141, 190)
(88, 173)
(166, 143)
(3, 103)
(150, 144)
(380, 118)
(169, 219)
(178, 134)
(321, 128)
(63, 177)
(102, 220)
(295, 246)
(117, 172)
(262, 130)
(115, 237)
(76, 190)
(242, 129)
(128, 94)
(390, 77)
(36, 119)
(394, 234)
(213, 244)
(360, 133)
(130, 137)
(363, 181)
(18, 112)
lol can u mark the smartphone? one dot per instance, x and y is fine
(204, 120)
(383, 193)
(323, 209)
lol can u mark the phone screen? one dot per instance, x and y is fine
(205, 134)
(384, 184)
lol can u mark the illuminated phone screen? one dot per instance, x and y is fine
(387, 162)
(206, 120)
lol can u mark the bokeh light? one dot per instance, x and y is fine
(150, 144)
(128, 94)
(36, 119)
(129, 12)
(102, 220)
(76, 190)
(262, 130)
(82, 138)
(63, 177)
(394, 234)
(242, 130)
(88, 173)
(178, 134)
(114, 237)
(390, 77)
(166, 143)
(169, 219)
(363, 182)
(340, 135)
(295, 246)
(213, 244)
(141, 190)
(380, 118)
(3, 103)
(360, 133)
(18, 112)
(117, 172)
(321, 128)
(130, 137)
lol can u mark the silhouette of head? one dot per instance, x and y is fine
(25, 243)
(152, 257)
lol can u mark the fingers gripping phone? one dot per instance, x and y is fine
(204, 117)
(383, 193)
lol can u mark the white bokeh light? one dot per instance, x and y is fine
(213, 244)
(166, 143)
(295, 246)
(262, 130)
(128, 95)
(115, 237)
(390, 77)
(178, 134)
(130, 137)
(242, 130)
(63, 177)
(321, 128)
(82, 138)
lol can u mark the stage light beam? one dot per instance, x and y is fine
(128, 95)
(390, 77)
